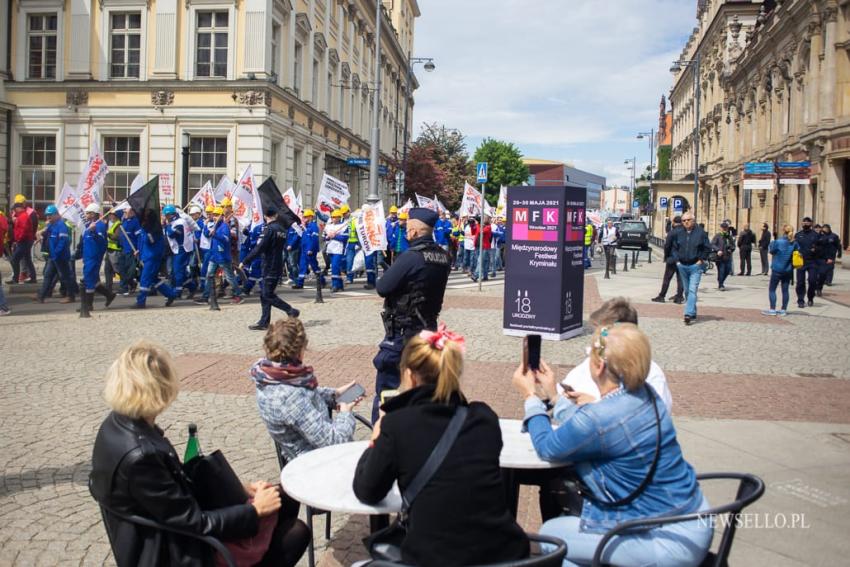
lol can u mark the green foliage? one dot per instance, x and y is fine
(663, 171)
(447, 148)
(505, 166)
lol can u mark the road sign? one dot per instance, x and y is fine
(662, 203)
(678, 204)
(382, 170)
(357, 161)
(635, 204)
(481, 168)
(758, 168)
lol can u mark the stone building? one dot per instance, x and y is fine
(284, 85)
(774, 81)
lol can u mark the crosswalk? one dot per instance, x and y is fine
(457, 280)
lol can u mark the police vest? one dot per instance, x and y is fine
(419, 305)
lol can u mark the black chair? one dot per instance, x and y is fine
(538, 558)
(309, 510)
(750, 489)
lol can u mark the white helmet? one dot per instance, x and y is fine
(195, 209)
(93, 208)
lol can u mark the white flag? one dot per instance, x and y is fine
(205, 197)
(371, 228)
(502, 204)
(69, 206)
(440, 205)
(470, 206)
(224, 189)
(427, 203)
(91, 180)
(292, 202)
(405, 208)
(257, 214)
(332, 194)
(137, 183)
(243, 197)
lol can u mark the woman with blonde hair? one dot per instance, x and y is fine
(625, 452)
(136, 471)
(781, 270)
(460, 516)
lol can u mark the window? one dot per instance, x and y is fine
(125, 46)
(296, 169)
(329, 101)
(122, 155)
(211, 47)
(207, 161)
(41, 43)
(38, 168)
(746, 198)
(297, 66)
(315, 92)
(273, 166)
(275, 50)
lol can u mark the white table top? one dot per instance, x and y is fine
(323, 477)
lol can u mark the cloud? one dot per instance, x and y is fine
(567, 76)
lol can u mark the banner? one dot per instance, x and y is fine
(333, 194)
(470, 205)
(427, 203)
(292, 202)
(502, 204)
(205, 197)
(166, 188)
(257, 213)
(405, 208)
(440, 206)
(371, 228)
(243, 198)
(137, 183)
(69, 206)
(91, 180)
(224, 189)
(544, 289)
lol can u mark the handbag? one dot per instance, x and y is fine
(797, 259)
(214, 482)
(386, 544)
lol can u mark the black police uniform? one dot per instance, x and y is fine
(413, 289)
(271, 244)
(810, 247)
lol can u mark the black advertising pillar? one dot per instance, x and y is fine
(544, 279)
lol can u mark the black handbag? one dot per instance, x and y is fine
(385, 544)
(214, 482)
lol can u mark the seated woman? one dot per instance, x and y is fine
(293, 406)
(461, 516)
(135, 471)
(612, 444)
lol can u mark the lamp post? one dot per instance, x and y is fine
(429, 66)
(632, 161)
(375, 150)
(694, 65)
(651, 135)
(184, 182)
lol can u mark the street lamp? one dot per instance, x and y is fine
(633, 162)
(374, 151)
(694, 65)
(429, 66)
(651, 135)
(184, 189)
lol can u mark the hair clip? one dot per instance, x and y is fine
(437, 339)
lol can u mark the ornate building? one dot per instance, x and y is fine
(774, 81)
(284, 85)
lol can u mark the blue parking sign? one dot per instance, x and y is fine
(635, 204)
(662, 203)
(481, 168)
(678, 205)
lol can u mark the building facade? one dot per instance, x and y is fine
(283, 85)
(546, 172)
(775, 86)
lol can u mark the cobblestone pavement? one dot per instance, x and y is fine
(734, 367)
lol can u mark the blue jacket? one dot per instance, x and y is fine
(782, 250)
(398, 241)
(441, 232)
(59, 241)
(498, 235)
(151, 246)
(342, 235)
(94, 242)
(252, 235)
(293, 239)
(611, 443)
(310, 238)
(131, 227)
(390, 228)
(178, 234)
(220, 240)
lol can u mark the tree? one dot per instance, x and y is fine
(663, 163)
(448, 149)
(505, 165)
(423, 174)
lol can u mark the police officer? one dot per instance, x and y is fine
(831, 250)
(810, 247)
(413, 289)
(271, 244)
(92, 249)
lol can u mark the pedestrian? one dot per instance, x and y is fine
(270, 251)
(764, 245)
(690, 248)
(309, 257)
(809, 243)
(181, 240)
(588, 244)
(831, 250)
(391, 223)
(24, 227)
(293, 252)
(470, 234)
(92, 249)
(413, 290)
(221, 258)
(336, 237)
(609, 237)
(252, 274)
(205, 246)
(484, 245)
(58, 239)
(113, 264)
(746, 240)
(723, 245)
(782, 249)
(670, 267)
(496, 263)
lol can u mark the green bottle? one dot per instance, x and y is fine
(193, 446)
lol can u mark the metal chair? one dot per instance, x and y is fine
(750, 489)
(309, 510)
(553, 558)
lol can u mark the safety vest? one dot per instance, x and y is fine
(113, 244)
(352, 230)
(588, 234)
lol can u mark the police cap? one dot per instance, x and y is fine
(422, 214)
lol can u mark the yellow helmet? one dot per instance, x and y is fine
(209, 209)
(337, 213)
(345, 209)
(218, 211)
(226, 202)
(308, 213)
(403, 216)
(20, 199)
(393, 209)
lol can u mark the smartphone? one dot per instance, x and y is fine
(351, 394)
(531, 352)
(387, 395)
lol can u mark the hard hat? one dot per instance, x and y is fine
(195, 209)
(218, 211)
(20, 199)
(169, 210)
(309, 213)
(345, 209)
(209, 209)
(393, 209)
(51, 210)
(226, 202)
(403, 216)
(93, 208)
(337, 213)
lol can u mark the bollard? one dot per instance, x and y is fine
(607, 265)
(613, 261)
(626, 262)
(634, 259)
(85, 297)
(649, 253)
(319, 298)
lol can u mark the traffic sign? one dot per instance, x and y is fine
(635, 204)
(357, 161)
(662, 203)
(481, 168)
(678, 204)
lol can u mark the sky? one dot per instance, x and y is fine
(565, 80)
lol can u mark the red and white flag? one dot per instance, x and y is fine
(292, 202)
(333, 194)
(427, 203)
(69, 206)
(243, 198)
(205, 197)
(470, 206)
(91, 180)
(224, 189)
(371, 228)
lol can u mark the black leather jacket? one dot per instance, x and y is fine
(135, 471)
(271, 244)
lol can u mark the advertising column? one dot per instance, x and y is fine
(544, 281)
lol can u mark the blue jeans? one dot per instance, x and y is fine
(775, 280)
(3, 305)
(494, 261)
(724, 268)
(60, 270)
(681, 545)
(485, 265)
(227, 270)
(691, 276)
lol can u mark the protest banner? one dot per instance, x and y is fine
(69, 206)
(205, 197)
(91, 180)
(371, 228)
(243, 197)
(333, 194)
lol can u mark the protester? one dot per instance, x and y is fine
(723, 245)
(496, 252)
(690, 249)
(336, 236)
(831, 250)
(309, 256)
(470, 241)
(613, 444)
(460, 516)
(24, 226)
(782, 250)
(391, 223)
(588, 244)
(4, 307)
(58, 239)
(293, 252)
(457, 243)
(135, 471)
(809, 243)
(764, 245)
(251, 273)
(205, 246)
(113, 261)
(400, 243)
(670, 267)
(746, 240)
(181, 240)
(92, 249)
(221, 258)
(150, 250)
(483, 246)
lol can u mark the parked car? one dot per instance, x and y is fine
(633, 235)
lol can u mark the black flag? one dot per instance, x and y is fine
(271, 198)
(145, 203)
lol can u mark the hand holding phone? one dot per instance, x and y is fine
(353, 393)
(531, 353)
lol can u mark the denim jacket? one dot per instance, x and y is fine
(611, 444)
(782, 250)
